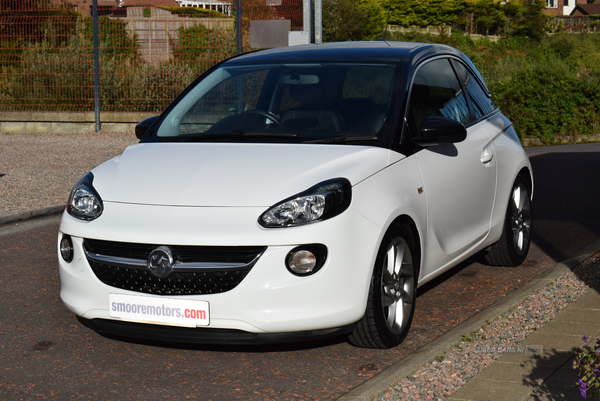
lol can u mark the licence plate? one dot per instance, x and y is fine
(171, 312)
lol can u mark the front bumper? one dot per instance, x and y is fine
(268, 300)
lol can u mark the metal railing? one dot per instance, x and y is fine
(148, 50)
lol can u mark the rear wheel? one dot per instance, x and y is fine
(392, 295)
(512, 248)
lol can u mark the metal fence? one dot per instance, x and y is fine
(149, 50)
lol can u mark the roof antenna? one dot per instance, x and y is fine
(387, 19)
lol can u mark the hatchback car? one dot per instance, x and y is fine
(298, 193)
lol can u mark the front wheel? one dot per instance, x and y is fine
(512, 247)
(392, 294)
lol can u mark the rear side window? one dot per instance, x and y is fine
(481, 104)
(436, 92)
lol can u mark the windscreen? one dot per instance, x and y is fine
(301, 102)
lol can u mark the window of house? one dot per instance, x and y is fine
(551, 3)
(436, 92)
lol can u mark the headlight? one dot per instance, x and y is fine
(84, 202)
(321, 202)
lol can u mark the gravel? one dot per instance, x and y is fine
(38, 171)
(450, 371)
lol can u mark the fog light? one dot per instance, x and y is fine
(302, 262)
(306, 259)
(66, 248)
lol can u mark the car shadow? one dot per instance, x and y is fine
(565, 210)
(236, 348)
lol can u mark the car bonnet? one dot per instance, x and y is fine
(229, 175)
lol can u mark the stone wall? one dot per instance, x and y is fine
(67, 122)
(574, 24)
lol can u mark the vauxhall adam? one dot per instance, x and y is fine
(297, 193)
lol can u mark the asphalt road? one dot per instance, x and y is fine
(45, 352)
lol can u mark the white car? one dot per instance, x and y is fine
(298, 193)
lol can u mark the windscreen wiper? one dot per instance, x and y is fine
(343, 139)
(238, 134)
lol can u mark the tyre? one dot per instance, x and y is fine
(512, 247)
(392, 293)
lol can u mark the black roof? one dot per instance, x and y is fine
(376, 50)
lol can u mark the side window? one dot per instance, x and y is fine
(436, 92)
(480, 103)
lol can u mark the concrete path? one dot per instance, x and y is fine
(547, 375)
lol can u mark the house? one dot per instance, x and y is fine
(568, 7)
(223, 6)
(109, 7)
(586, 8)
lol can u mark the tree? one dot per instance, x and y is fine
(514, 18)
(482, 16)
(534, 19)
(198, 45)
(374, 20)
(345, 20)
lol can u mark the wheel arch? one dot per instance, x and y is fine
(375, 329)
(513, 245)
(528, 175)
(506, 180)
(405, 219)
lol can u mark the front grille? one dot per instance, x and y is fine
(194, 281)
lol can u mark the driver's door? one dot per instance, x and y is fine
(459, 178)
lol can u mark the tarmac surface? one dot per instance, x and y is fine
(505, 377)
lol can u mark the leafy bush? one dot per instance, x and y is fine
(201, 47)
(486, 17)
(54, 76)
(588, 365)
(113, 35)
(545, 106)
(39, 14)
(424, 12)
(51, 78)
(154, 86)
(345, 20)
(515, 18)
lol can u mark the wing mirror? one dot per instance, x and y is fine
(142, 127)
(437, 130)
